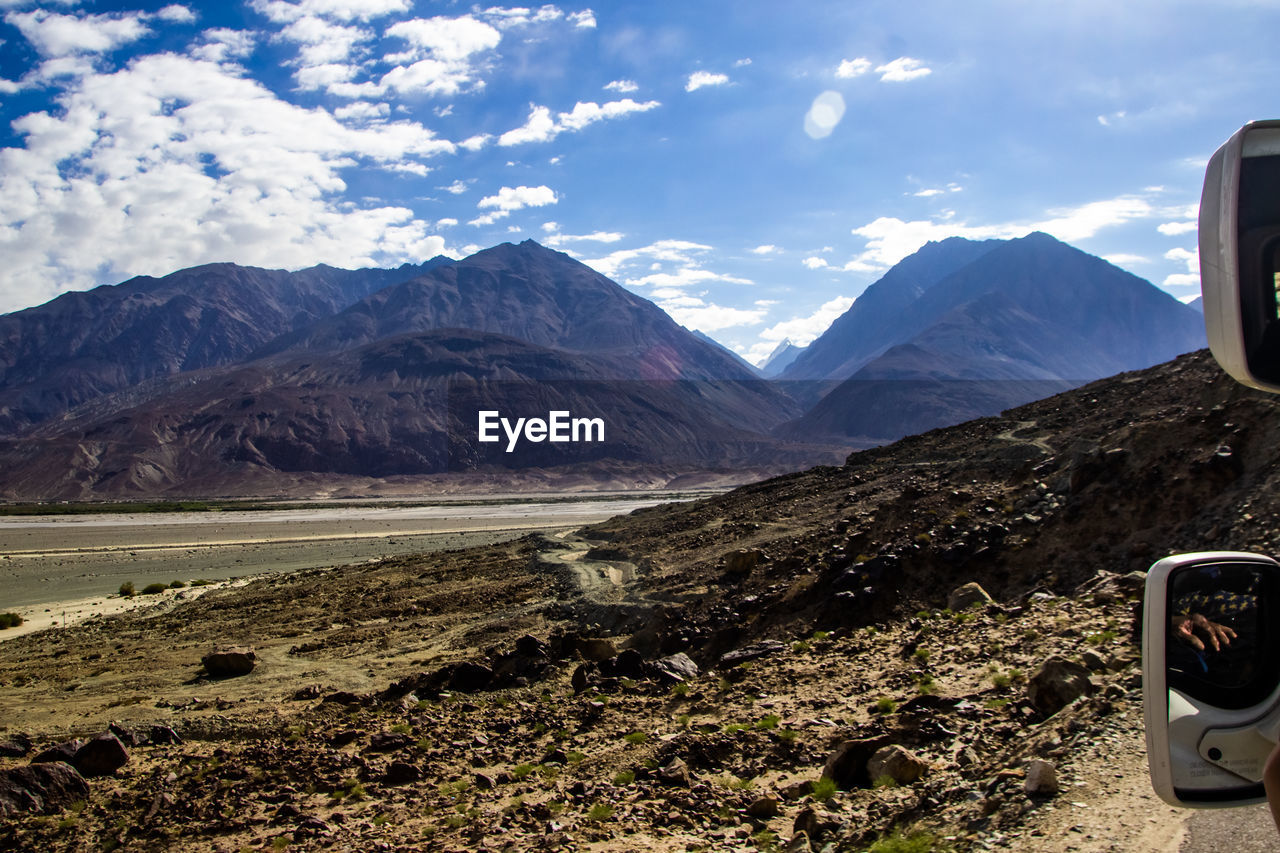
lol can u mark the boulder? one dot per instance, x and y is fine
(765, 807)
(1058, 683)
(469, 677)
(101, 756)
(40, 788)
(1042, 778)
(402, 773)
(674, 772)
(63, 752)
(673, 668)
(896, 763)
(847, 764)
(597, 649)
(229, 662)
(755, 651)
(742, 562)
(964, 597)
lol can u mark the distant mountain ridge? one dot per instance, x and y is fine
(390, 386)
(81, 345)
(1008, 322)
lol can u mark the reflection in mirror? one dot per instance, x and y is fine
(1218, 633)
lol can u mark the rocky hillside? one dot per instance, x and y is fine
(964, 329)
(934, 641)
(85, 344)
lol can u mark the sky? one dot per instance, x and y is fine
(750, 166)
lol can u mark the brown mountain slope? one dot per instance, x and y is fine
(551, 743)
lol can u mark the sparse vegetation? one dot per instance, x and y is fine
(10, 620)
(885, 705)
(154, 588)
(600, 812)
(624, 777)
(635, 738)
(823, 789)
(127, 589)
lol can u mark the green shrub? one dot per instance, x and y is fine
(635, 738)
(10, 620)
(127, 589)
(624, 777)
(768, 722)
(154, 589)
(824, 789)
(885, 705)
(176, 584)
(600, 812)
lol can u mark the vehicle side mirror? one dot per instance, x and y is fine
(1211, 676)
(1240, 255)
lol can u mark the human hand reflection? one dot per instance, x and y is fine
(1187, 626)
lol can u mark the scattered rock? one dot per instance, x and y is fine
(814, 823)
(389, 741)
(897, 763)
(1042, 778)
(101, 756)
(797, 790)
(755, 651)
(41, 788)
(468, 677)
(64, 752)
(742, 562)
(673, 668)
(799, 843)
(1057, 683)
(16, 747)
(674, 772)
(765, 808)
(964, 597)
(597, 650)
(229, 662)
(847, 765)
(402, 773)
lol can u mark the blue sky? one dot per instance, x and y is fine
(750, 166)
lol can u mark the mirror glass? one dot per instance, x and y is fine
(1220, 648)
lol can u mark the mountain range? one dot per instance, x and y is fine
(222, 379)
(962, 329)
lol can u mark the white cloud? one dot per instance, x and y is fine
(824, 114)
(622, 86)
(175, 161)
(1185, 256)
(594, 237)
(361, 111)
(742, 63)
(448, 40)
(321, 42)
(1182, 280)
(801, 331)
(813, 262)
(902, 69)
(684, 277)
(55, 35)
(693, 313)
(1175, 229)
(541, 127)
(447, 222)
(510, 199)
(671, 251)
(1107, 120)
(889, 239)
(702, 79)
(765, 249)
(850, 68)
(9, 87)
(585, 19)
(222, 44)
(457, 187)
(1121, 259)
(342, 10)
(176, 14)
